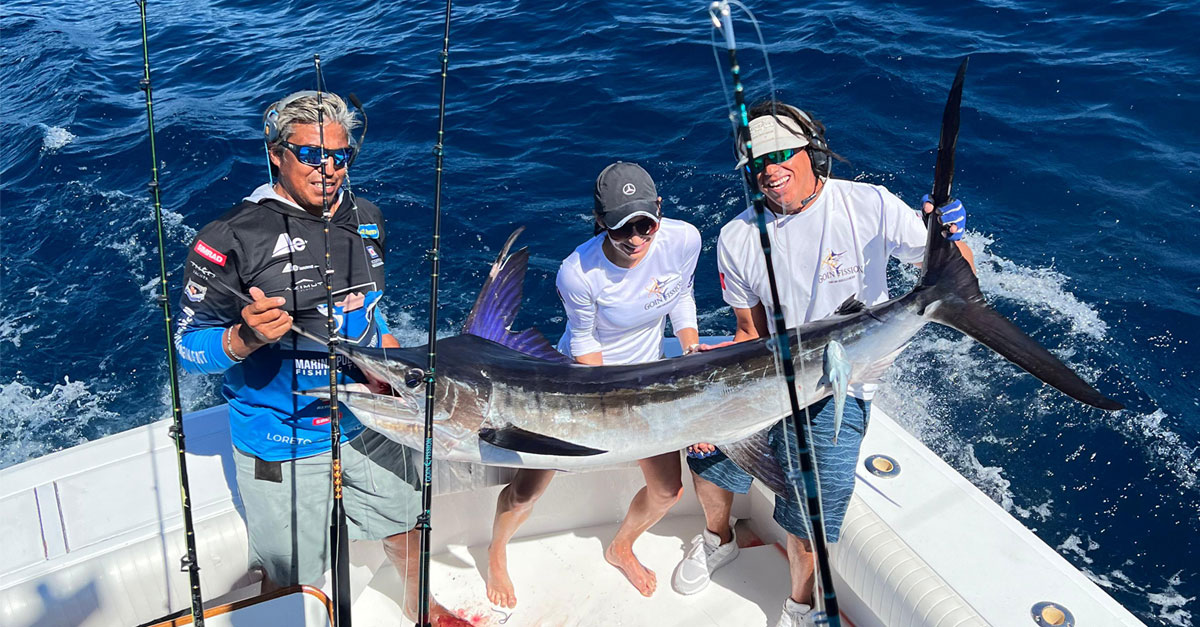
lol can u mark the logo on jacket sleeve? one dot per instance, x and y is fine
(288, 244)
(368, 230)
(201, 271)
(376, 260)
(209, 253)
(195, 292)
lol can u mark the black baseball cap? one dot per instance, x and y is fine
(623, 192)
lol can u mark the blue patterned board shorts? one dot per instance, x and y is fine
(835, 466)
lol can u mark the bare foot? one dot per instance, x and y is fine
(499, 587)
(641, 577)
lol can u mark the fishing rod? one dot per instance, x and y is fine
(423, 520)
(338, 534)
(723, 21)
(188, 561)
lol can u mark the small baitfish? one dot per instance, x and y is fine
(837, 375)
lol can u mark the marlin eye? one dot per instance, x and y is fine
(414, 377)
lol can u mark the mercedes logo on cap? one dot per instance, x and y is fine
(629, 189)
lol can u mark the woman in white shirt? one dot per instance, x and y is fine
(618, 289)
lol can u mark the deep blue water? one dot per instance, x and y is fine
(1078, 161)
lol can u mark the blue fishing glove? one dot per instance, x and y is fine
(953, 213)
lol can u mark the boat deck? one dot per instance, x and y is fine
(562, 580)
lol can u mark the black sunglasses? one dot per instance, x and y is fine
(644, 228)
(779, 156)
(311, 155)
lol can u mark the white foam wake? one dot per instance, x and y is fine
(55, 137)
(28, 414)
(1168, 602)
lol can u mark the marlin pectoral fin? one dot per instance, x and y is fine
(523, 441)
(837, 374)
(755, 456)
(850, 306)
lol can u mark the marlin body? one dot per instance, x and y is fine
(509, 399)
(498, 406)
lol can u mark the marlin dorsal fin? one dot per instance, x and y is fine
(498, 303)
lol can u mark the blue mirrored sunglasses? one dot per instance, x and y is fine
(779, 156)
(311, 155)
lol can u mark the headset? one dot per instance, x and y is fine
(818, 150)
(271, 118)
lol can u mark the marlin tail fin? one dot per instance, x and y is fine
(958, 304)
(954, 298)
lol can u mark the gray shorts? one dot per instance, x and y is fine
(288, 522)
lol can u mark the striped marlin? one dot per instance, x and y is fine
(508, 398)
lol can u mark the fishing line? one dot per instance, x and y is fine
(338, 536)
(188, 562)
(722, 20)
(743, 162)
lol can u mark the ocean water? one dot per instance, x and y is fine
(1078, 160)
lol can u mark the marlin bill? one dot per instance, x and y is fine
(509, 399)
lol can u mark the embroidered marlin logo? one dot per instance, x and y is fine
(833, 260)
(656, 288)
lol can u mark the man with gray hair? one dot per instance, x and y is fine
(273, 246)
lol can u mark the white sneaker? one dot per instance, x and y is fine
(705, 555)
(799, 615)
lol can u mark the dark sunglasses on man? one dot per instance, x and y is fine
(644, 227)
(311, 155)
(779, 156)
